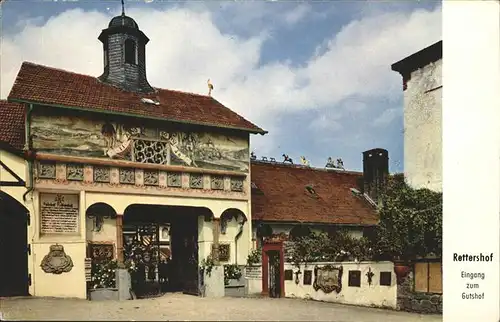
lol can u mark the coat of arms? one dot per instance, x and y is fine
(328, 278)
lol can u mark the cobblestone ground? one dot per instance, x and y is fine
(186, 307)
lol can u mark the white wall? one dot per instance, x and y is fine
(423, 128)
(253, 279)
(366, 295)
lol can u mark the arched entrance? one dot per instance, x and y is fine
(163, 242)
(14, 218)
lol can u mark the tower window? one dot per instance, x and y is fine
(130, 52)
(105, 58)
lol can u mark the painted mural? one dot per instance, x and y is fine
(70, 135)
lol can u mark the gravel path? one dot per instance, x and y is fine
(185, 307)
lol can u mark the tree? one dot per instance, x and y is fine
(410, 222)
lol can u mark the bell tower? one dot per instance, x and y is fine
(124, 47)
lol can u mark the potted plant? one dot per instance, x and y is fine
(232, 275)
(234, 285)
(103, 285)
(255, 257)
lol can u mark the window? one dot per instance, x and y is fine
(385, 278)
(105, 51)
(130, 52)
(428, 277)
(288, 275)
(355, 278)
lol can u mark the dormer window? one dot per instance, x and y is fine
(130, 52)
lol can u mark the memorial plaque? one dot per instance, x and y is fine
(59, 213)
(253, 272)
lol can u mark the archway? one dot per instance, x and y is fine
(165, 263)
(263, 231)
(98, 212)
(14, 219)
(232, 222)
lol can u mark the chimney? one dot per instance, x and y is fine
(375, 171)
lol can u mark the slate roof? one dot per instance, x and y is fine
(12, 124)
(51, 86)
(280, 195)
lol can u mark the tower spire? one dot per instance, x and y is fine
(123, 8)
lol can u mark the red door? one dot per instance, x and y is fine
(273, 270)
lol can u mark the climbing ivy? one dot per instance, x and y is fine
(410, 222)
(323, 247)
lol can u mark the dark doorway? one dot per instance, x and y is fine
(273, 282)
(14, 218)
(274, 273)
(165, 239)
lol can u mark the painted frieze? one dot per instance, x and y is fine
(85, 137)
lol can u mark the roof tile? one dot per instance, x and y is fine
(283, 196)
(12, 124)
(46, 85)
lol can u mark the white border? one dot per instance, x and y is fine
(471, 132)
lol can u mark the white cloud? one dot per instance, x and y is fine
(187, 48)
(387, 117)
(297, 14)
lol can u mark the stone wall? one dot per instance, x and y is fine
(409, 300)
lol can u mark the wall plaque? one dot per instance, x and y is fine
(385, 278)
(307, 277)
(101, 252)
(354, 278)
(224, 252)
(253, 272)
(328, 278)
(56, 261)
(59, 213)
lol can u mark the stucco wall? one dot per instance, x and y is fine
(253, 279)
(70, 284)
(106, 234)
(366, 295)
(18, 165)
(423, 128)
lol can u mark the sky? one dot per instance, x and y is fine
(316, 75)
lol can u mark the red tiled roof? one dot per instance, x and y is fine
(12, 124)
(46, 85)
(283, 196)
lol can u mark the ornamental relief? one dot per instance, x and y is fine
(138, 179)
(74, 172)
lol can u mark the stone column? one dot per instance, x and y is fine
(119, 238)
(215, 244)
